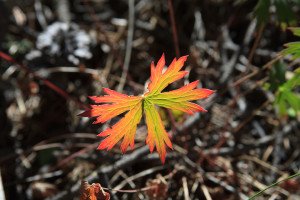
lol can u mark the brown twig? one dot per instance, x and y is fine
(223, 139)
(74, 155)
(174, 29)
(50, 141)
(241, 80)
(46, 82)
(241, 125)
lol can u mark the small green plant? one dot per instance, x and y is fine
(286, 100)
(284, 12)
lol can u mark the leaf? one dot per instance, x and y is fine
(293, 82)
(99, 192)
(277, 76)
(160, 81)
(285, 96)
(285, 14)
(92, 192)
(293, 100)
(158, 188)
(292, 47)
(281, 105)
(178, 99)
(121, 104)
(117, 104)
(261, 11)
(156, 131)
(126, 128)
(296, 2)
(87, 191)
(295, 30)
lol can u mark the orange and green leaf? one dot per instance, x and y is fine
(121, 104)
(117, 104)
(159, 80)
(156, 131)
(126, 127)
(179, 99)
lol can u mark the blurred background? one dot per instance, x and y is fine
(56, 53)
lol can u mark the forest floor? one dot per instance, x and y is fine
(57, 53)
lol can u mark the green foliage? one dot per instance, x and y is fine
(296, 31)
(285, 14)
(261, 11)
(240, 1)
(292, 47)
(276, 76)
(286, 101)
(17, 47)
(296, 1)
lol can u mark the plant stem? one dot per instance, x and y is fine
(273, 185)
(174, 29)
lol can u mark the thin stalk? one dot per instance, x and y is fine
(174, 29)
(130, 34)
(273, 185)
